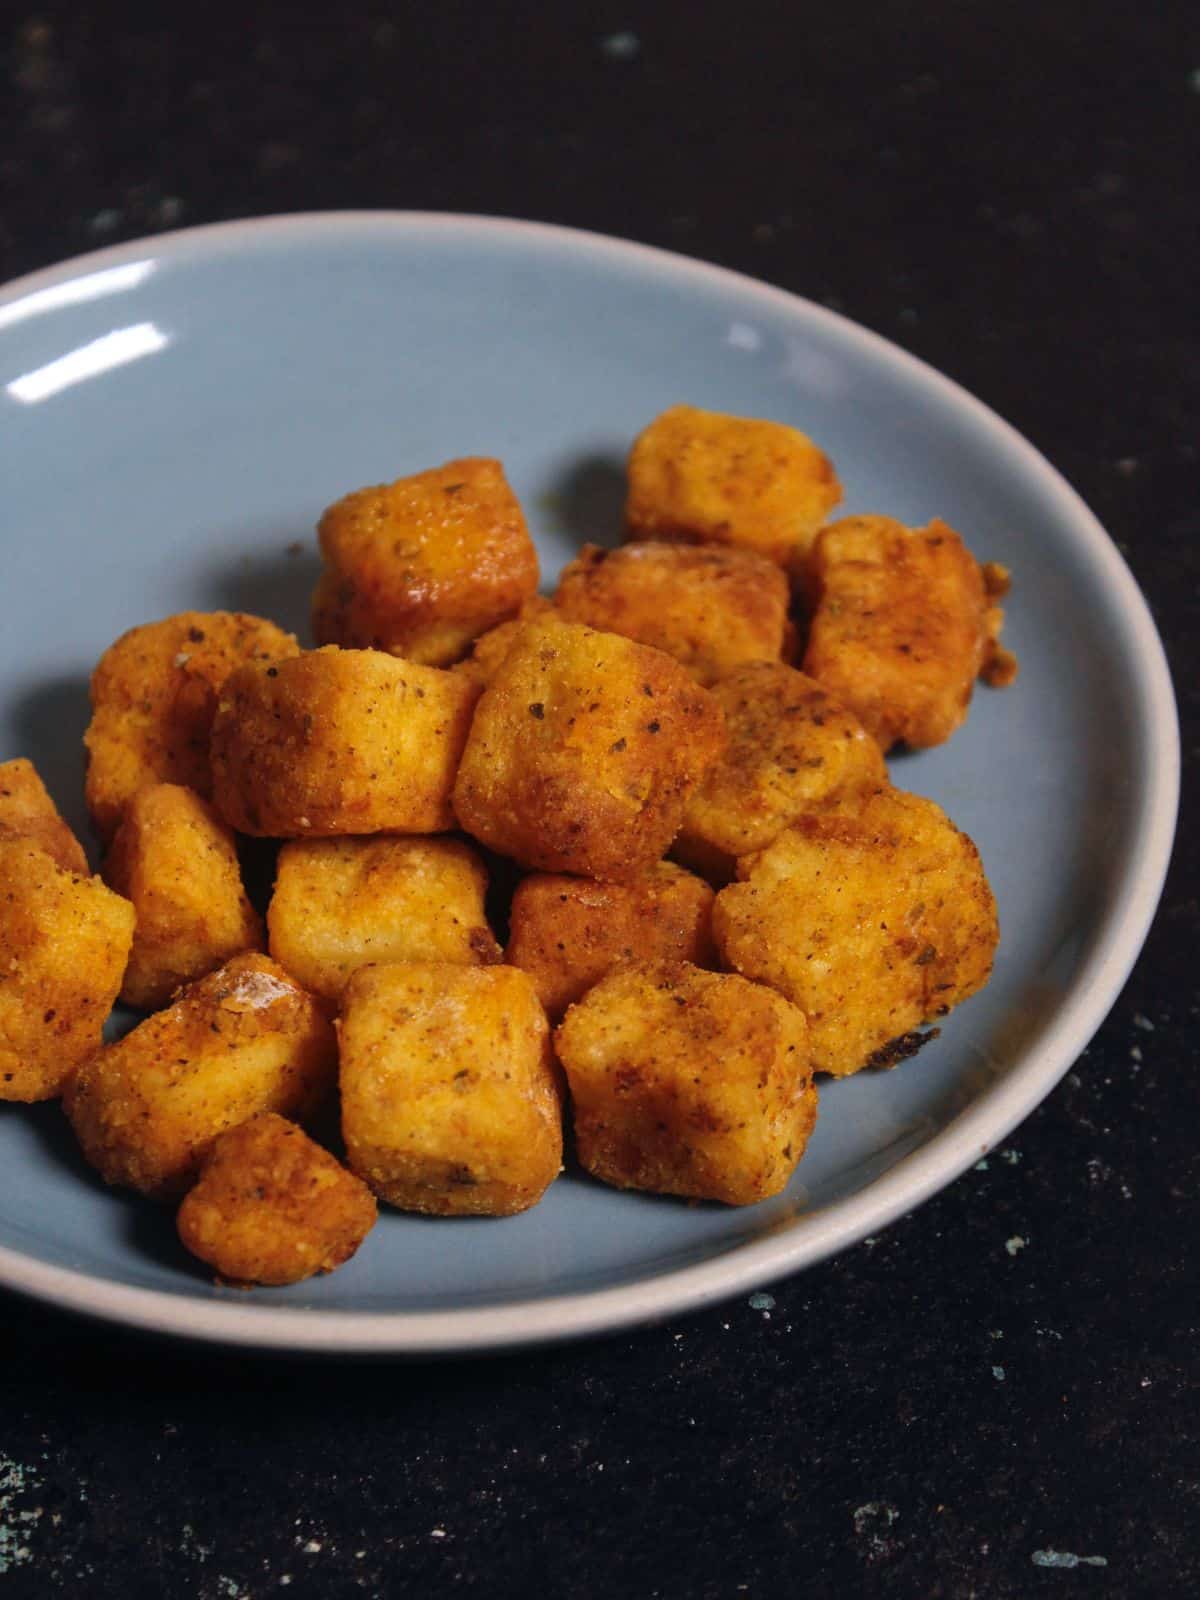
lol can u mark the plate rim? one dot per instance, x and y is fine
(1039, 1066)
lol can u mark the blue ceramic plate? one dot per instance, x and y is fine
(175, 414)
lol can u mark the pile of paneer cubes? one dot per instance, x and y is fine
(707, 888)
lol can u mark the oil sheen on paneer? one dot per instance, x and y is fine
(712, 607)
(175, 859)
(874, 922)
(449, 1099)
(271, 1206)
(154, 693)
(901, 628)
(421, 566)
(490, 649)
(339, 741)
(64, 941)
(566, 933)
(27, 812)
(792, 748)
(583, 751)
(707, 478)
(246, 1039)
(689, 1083)
(340, 904)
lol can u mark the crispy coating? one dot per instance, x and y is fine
(64, 941)
(874, 921)
(340, 904)
(490, 649)
(27, 812)
(688, 1082)
(706, 478)
(153, 696)
(175, 859)
(583, 752)
(792, 747)
(246, 1039)
(270, 1206)
(450, 1103)
(712, 607)
(422, 566)
(339, 741)
(901, 628)
(566, 933)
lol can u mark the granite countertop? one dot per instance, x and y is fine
(1011, 194)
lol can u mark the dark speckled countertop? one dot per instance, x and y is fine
(1010, 192)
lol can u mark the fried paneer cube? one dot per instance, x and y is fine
(792, 748)
(688, 1082)
(566, 933)
(450, 1103)
(583, 751)
(707, 478)
(175, 859)
(873, 921)
(246, 1039)
(490, 649)
(339, 741)
(422, 566)
(902, 626)
(154, 693)
(340, 904)
(712, 607)
(27, 812)
(271, 1206)
(64, 941)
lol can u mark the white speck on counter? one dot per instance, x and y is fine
(1011, 1156)
(312, 1547)
(621, 46)
(998, 1374)
(1144, 1023)
(1015, 1244)
(1065, 1558)
(762, 1302)
(437, 1533)
(15, 1524)
(982, 1164)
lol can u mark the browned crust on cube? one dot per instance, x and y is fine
(567, 933)
(28, 812)
(339, 742)
(177, 862)
(154, 693)
(712, 607)
(64, 941)
(583, 752)
(422, 566)
(271, 1206)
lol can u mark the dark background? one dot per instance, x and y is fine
(1010, 191)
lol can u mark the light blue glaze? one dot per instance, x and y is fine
(306, 358)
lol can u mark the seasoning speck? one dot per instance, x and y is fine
(762, 1302)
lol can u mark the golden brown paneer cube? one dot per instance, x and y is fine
(583, 751)
(339, 741)
(64, 941)
(153, 696)
(175, 859)
(340, 904)
(422, 566)
(270, 1206)
(566, 933)
(27, 812)
(712, 607)
(792, 748)
(688, 1082)
(901, 627)
(245, 1039)
(449, 1099)
(873, 921)
(490, 649)
(706, 478)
